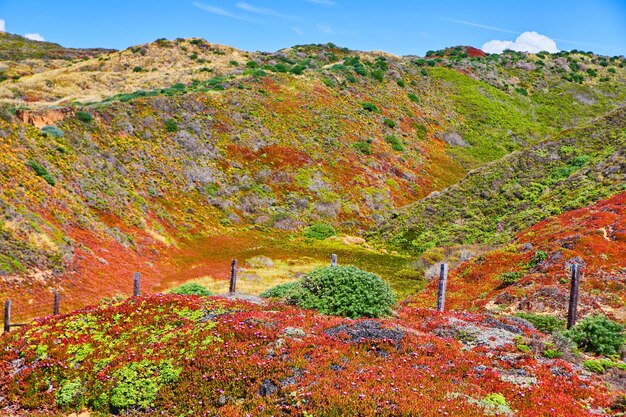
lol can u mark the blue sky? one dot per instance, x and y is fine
(398, 26)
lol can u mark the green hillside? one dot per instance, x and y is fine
(571, 170)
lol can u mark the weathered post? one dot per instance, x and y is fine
(573, 296)
(233, 276)
(137, 284)
(57, 301)
(7, 316)
(333, 260)
(443, 280)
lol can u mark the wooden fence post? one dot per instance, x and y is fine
(7, 316)
(573, 296)
(137, 284)
(57, 300)
(443, 280)
(233, 276)
(333, 260)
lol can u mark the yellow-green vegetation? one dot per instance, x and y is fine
(571, 170)
(256, 279)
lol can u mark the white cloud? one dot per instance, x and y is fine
(218, 11)
(526, 42)
(34, 37)
(478, 25)
(323, 2)
(262, 11)
(2, 25)
(298, 30)
(324, 28)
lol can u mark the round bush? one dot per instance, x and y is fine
(320, 231)
(280, 291)
(344, 291)
(190, 288)
(597, 334)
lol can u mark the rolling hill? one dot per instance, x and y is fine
(152, 158)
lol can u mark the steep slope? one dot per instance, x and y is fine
(532, 273)
(163, 354)
(492, 203)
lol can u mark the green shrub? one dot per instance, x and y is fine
(413, 98)
(552, 353)
(544, 322)
(510, 278)
(137, 69)
(395, 142)
(400, 83)
(41, 171)
(495, 399)
(421, 131)
(371, 107)
(83, 116)
(378, 75)
(389, 123)
(344, 291)
(137, 384)
(522, 91)
(597, 334)
(69, 395)
(190, 288)
(280, 291)
(171, 125)
(363, 147)
(538, 257)
(595, 365)
(320, 231)
(297, 69)
(52, 131)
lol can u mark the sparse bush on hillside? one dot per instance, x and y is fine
(83, 116)
(414, 98)
(297, 69)
(190, 288)
(537, 258)
(510, 278)
(389, 123)
(52, 131)
(522, 91)
(344, 291)
(171, 125)
(320, 231)
(597, 334)
(41, 171)
(378, 75)
(371, 107)
(363, 147)
(602, 365)
(395, 142)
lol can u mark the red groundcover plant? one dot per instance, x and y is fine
(172, 354)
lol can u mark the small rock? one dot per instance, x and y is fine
(267, 388)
